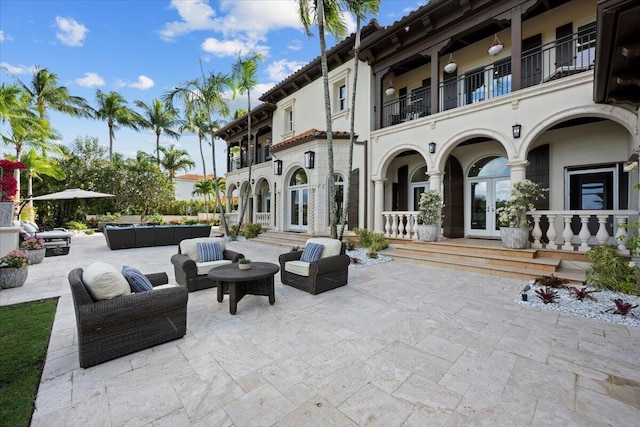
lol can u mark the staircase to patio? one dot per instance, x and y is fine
(476, 255)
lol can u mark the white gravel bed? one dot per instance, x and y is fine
(364, 260)
(601, 308)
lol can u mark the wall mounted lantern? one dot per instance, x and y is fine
(309, 159)
(516, 130)
(277, 167)
(432, 147)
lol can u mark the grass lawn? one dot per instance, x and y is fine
(24, 338)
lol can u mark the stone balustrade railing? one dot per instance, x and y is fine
(559, 234)
(264, 219)
(401, 224)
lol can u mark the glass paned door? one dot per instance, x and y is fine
(298, 204)
(486, 196)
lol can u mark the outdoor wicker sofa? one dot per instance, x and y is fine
(115, 327)
(187, 267)
(329, 272)
(118, 237)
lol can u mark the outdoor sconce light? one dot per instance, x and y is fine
(253, 181)
(516, 130)
(277, 167)
(432, 147)
(309, 159)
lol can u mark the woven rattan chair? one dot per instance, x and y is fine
(112, 328)
(329, 272)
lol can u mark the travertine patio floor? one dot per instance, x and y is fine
(402, 345)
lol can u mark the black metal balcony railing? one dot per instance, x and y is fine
(563, 57)
(262, 155)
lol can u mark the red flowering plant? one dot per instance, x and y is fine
(8, 183)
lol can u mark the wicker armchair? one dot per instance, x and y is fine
(329, 272)
(188, 271)
(112, 328)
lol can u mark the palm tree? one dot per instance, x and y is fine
(244, 79)
(359, 8)
(113, 109)
(326, 15)
(203, 188)
(174, 160)
(38, 165)
(221, 185)
(207, 94)
(159, 117)
(198, 123)
(45, 93)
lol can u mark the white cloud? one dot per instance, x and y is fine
(143, 83)
(196, 15)
(349, 22)
(294, 44)
(18, 69)
(70, 32)
(1, 36)
(224, 47)
(279, 70)
(90, 80)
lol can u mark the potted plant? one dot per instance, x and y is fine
(244, 264)
(512, 217)
(34, 247)
(429, 214)
(14, 269)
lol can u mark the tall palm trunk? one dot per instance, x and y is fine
(110, 124)
(356, 53)
(158, 146)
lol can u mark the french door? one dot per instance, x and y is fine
(486, 195)
(298, 208)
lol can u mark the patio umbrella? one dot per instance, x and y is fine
(72, 193)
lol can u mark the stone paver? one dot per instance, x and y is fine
(402, 345)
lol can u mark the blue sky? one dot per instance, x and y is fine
(143, 48)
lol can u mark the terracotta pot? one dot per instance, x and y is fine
(13, 277)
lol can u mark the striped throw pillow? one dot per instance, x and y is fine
(137, 281)
(209, 251)
(312, 252)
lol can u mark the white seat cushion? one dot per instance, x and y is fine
(189, 247)
(105, 281)
(204, 267)
(300, 268)
(167, 286)
(332, 247)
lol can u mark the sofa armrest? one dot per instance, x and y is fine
(330, 263)
(289, 256)
(157, 279)
(129, 308)
(231, 255)
(184, 263)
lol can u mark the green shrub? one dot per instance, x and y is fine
(75, 226)
(92, 222)
(154, 218)
(370, 240)
(89, 232)
(233, 231)
(251, 230)
(609, 270)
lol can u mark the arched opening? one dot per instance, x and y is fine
(489, 187)
(298, 201)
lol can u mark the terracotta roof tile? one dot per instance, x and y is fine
(305, 136)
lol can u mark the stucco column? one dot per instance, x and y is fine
(277, 208)
(518, 170)
(378, 200)
(255, 208)
(435, 178)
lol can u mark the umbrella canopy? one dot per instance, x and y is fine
(72, 193)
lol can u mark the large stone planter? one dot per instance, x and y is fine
(36, 256)
(6, 214)
(428, 232)
(13, 277)
(514, 237)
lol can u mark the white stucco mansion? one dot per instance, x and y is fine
(555, 100)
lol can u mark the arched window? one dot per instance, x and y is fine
(298, 178)
(490, 166)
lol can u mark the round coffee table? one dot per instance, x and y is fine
(258, 280)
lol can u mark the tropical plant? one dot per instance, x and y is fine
(514, 211)
(114, 109)
(174, 160)
(326, 15)
(244, 80)
(551, 281)
(244, 261)
(159, 117)
(251, 230)
(38, 165)
(360, 9)
(430, 207)
(582, 293)
(609, 270)
(15, 259)
(623, 308)
(203, 188)
(8, 182)
(76, 226)
(32, 243)
(547, 295)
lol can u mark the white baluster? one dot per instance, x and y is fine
(584, 234)
(622, 234)
(567, 234)
(414, 218)
(602, 235)
(387, 225)
(394, 225)
(537, 231)
(401, 226)
(551, 233)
